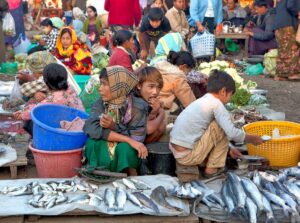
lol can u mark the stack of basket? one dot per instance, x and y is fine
(57, 153)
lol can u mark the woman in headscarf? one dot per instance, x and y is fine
(72, 53)
(117, 124)
(169, 42)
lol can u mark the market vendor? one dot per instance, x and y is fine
(262, 38)
(92, 25)
(117, 124)
(55, 76)
(176, 87)
(202, 131)
(72, 53)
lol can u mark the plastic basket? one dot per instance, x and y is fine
(279, 152)
(203, 44)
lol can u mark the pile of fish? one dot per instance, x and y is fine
(49, 194)
(248, 198)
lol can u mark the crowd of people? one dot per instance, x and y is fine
(134, 104)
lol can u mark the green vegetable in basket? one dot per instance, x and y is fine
(241, 97)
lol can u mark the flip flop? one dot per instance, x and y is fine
(219, 172)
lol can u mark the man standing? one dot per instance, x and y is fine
(234, 13)
(3, 9)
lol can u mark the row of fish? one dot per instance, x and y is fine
(262, 193)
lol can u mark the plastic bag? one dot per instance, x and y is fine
(21, 45)
(9, 26)
(257, 99)
(270, 62)
(16, 96)
(254, 70)
(89, 95)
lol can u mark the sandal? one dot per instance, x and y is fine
(219, 172)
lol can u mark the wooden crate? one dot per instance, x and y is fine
(187, 173)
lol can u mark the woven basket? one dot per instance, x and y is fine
(203, 44)
(279, 152)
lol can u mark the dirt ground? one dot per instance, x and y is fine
(283, 96)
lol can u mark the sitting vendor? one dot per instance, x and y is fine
(117, 124)
(55, 77)
(262, 38)
(176, 87)
(201, 132)
(72, 53)
(148, 88)
(233, 13)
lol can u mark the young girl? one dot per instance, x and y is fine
(148, 88)
(92, 25)
(117, 124)
(174, 73)
(156, 4)
(59, 92)
(123, 42)
(73, 54)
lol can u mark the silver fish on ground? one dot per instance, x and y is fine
(140, 185)
(109, 199)
(294, 189)
(273, 198)
(252, 210)
(21, 191)
(129, 184)
(146, 201)
(159, 195)
(291, 203)
(256, 178)
(81, 198)
(227, 197)
(132, 198)
(268, 210)
(210, 204)
(237, 190)
(120, 199)
(95, 200)
(253, 192)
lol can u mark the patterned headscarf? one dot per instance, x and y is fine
(121, 82)
(37, 61)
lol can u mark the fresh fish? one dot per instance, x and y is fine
(292, 172)
(22, 191)
(227, 197)
(81, 198)
(257, 178)
(129, 184)
(270, 187)
(134, 200)
(120, 199)
(294, 189)
(109, 199)
(268, 210)
(37, 197)
(214, 198)
(291, 203)
(276, 200)
(195, 192)
(36, 190)
(267, 176)
(253, 193)
(210, 204)
(282, 177)
(117, 184)
(237, 190)
(159, 195)
(94, 200)
(201, 187)
(51, 203)
(252, 210)
(61, 199)
(34, 203)
(146, 201)
(140, 185)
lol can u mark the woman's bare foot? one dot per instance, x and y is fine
(294, 77)
(131, 172)
(210, 170)
(277, 78)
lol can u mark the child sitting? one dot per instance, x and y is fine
(178, 20)
(154, 26)
(117, 125)
(149, 86)
(59, 92)
(123, 42)
(201, 132)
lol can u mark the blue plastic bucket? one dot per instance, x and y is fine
(47, 134)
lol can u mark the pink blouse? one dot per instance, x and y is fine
(64, 97)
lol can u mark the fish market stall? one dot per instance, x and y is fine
(251, 197)
(146, 195)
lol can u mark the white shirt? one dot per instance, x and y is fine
(193, 121)
(210, 9)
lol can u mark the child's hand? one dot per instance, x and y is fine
(140, 148)
(18, 115)
(39, 96)
(107, 122)
(155, 105)
(143, 55)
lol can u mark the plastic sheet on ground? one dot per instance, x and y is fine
(9, 207)
(9, 155)
(6, 87)
(202, 211)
